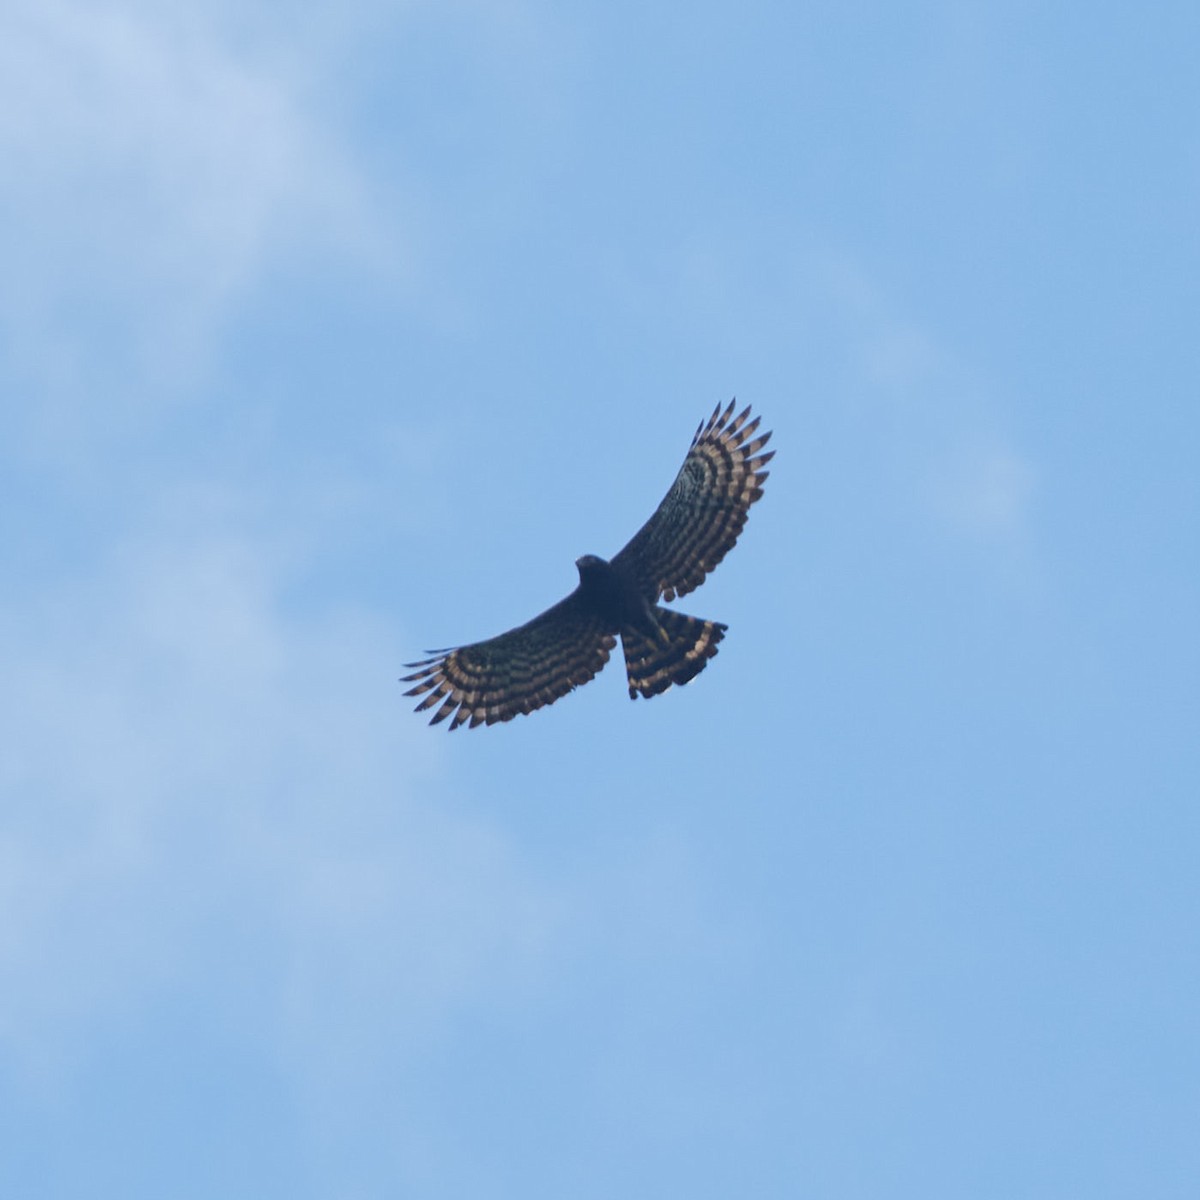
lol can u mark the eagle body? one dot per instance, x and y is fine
(614, 594)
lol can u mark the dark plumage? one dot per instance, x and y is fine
(693, 528)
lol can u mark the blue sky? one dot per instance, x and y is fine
(332, 332)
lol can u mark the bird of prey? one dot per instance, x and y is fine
(693, 528)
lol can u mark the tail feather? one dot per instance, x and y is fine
(652, 666)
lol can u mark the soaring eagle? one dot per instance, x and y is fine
(693, 528)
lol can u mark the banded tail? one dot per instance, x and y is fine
(652, 666)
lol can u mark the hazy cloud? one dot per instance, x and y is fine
(152, 169)
(202, 782)
(987, 491)
(969, 474)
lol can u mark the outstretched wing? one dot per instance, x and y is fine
(700, 518)
(518, 671)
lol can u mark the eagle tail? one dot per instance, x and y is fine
(652, 666)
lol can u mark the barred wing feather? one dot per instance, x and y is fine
(700, 518)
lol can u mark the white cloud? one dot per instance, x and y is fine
(151, 171)
(205, 780)
(205, 791)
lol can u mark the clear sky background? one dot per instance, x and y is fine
(333, 331)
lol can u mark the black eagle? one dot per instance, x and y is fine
(693, 528)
